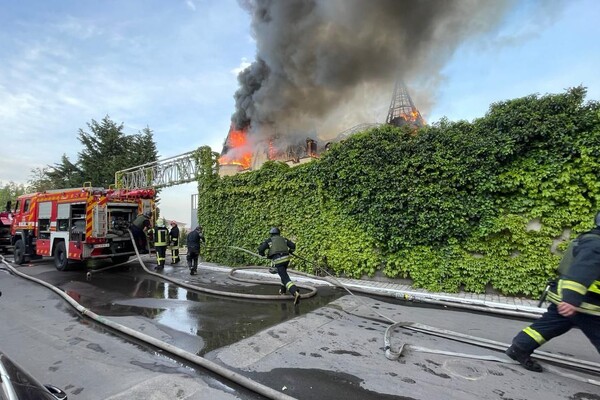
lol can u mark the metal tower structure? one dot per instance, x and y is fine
(402, 109)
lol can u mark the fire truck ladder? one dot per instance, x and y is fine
(171, 171)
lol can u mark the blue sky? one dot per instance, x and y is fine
(172, 66)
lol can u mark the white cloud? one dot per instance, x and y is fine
(78, 28)
(244, 63)
(191, 5)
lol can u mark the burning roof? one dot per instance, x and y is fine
(237, 150)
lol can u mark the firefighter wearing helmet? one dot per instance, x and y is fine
(174, 242)
(160, 244)
(278, 249)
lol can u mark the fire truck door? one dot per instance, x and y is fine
(99, 221)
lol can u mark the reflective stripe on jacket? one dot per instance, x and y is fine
(161, 236)
(579, 282)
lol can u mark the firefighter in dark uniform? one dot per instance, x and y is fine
(138, 228)
(575, 301)
(193, 248)
(174, 242)
(279, 250)
(160, 245)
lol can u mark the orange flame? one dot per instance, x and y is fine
(238, 149)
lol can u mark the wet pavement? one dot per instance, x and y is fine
(55, 345)
(337, 351)
(214, 320)
(331, 345)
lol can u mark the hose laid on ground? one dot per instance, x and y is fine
(480, 342)
(394, 355)
(95, 271)
(312, 290)
(193, 358)
(391, 355)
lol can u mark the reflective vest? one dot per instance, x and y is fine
(161, 236)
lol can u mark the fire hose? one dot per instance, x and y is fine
(311, 290)
(480, 342)
(389, 353)
(193, 358)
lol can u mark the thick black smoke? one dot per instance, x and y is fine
(327, 64)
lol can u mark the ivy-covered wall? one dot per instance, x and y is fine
(458, 205)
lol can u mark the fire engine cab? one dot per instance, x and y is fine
(77, 224)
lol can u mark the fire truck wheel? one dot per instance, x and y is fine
(60, 257)
(19, 252)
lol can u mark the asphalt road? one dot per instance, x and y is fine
(330, 347)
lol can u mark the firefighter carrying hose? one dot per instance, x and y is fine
(174, 242)
(160, 244)
(279, 250)
(575, 300)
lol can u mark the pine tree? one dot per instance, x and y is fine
(107, 150)
(65, 174)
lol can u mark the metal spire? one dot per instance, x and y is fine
(402, 109)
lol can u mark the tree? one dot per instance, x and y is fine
(107, 149)
(39, 180)
(65, 175)
(143, 149)
(183, 234)
(9, 192)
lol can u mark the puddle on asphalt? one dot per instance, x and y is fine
(218, 320)
(318, 383)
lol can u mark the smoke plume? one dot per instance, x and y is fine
(325, 65)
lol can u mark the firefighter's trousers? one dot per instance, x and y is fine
(161, 252)
(286, 282)
(141, 241)
(552, 324)
(192, 259)
(175, 251)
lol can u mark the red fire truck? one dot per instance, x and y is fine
(77, 224)
(5, 220)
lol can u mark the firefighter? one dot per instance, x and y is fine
(575, 301)
(193, 248)
(138, 228)
(174, 242)
(160, 245)
(279, 250)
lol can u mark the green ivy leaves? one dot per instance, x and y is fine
(459, 205)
